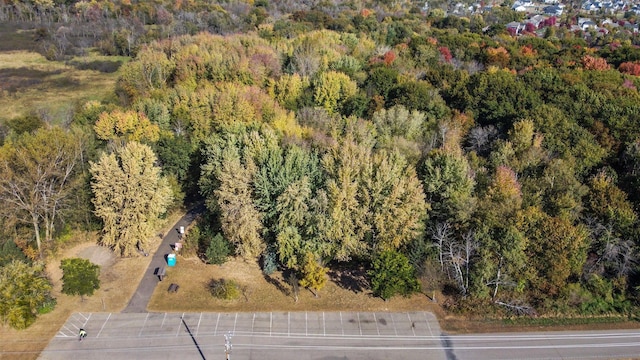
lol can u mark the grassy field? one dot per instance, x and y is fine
(31, 84)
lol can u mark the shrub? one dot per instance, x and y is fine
(269, 261)
(224, 289)
(218, 250)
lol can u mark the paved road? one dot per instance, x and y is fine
(140, 298)
(264, 336)
(610, 344)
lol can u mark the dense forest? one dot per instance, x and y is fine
(502, 171)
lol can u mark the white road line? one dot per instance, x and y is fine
(234, 323)
(253, 322)
(428, 325)
(87, 320)
(288, 323)
(180, 324)
(412, 327)
(105, 323)
(341, 326)
(306, 330)
(162, 325)
(395, 329)
(143, 324)
(324, 326)
(270, 322)
(376, 321)
(359, 326)
(198, 328)
(215, 331)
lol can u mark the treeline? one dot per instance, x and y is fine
(497, 169)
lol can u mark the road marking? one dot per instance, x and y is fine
(324, 326)
(270, 322)
(395, 329)
(234, 323)
(180, 324)
(87, 320)
(306, 330)
(341, 326)
(288, 324)
(428, 325)
(376, 321)
(162, 325)
(215, 331)
(143, 324)
(198, 328)
(105, 323)
(412, 327)
(359, 326)
(253, 322)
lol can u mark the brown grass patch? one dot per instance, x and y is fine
(31, 83)
(264, 293)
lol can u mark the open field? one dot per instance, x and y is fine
(29, 84)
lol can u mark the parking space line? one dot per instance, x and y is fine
(270, 322)
(324, 326)
(215, 331)
(288, 323)
(253, 322)
(143, 324)
(87, 320)
(162, 325)
(341, 326)
(234, 323)
(105, 323)
(359, 325)
(413, 328)
(395, 329)
(428, 325)
(198, 328)
(376, 321)
(180, 324)
(306, 327)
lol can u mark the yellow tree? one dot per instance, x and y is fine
(314, 275)
(129, 195)
(127, 126)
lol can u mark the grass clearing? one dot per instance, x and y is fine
(265, 293)
(29, 83)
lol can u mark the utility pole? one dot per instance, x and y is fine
(227, 345)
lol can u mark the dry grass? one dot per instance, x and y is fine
(264, 293)
(118, 280)
(31, 84)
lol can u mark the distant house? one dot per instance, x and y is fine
(553, 10)
(515, 28)
(536, 20)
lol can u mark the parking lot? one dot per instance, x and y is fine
(267, 335)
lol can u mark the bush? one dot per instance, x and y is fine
(47, 306)
(269, 261)
(218, 250)
(392, 274)
(224, 289)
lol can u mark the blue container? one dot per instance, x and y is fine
(171, 259)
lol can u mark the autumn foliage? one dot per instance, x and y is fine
(594, 63)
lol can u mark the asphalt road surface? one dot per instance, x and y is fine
(610, 344)
(265, 336)
(317, 336)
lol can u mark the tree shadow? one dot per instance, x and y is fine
(350, 279)
(277, 283)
